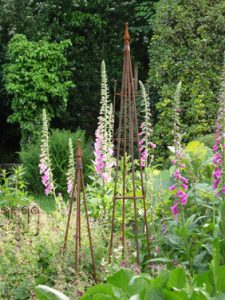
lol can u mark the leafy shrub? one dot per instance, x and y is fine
(179, 26)
(58, 142)
(12, 188)
(208, 140)
(36, 76)
(173, 284)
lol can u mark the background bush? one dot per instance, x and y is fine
(58, 141)
(187, 45)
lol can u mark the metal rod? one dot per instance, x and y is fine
(69, 216)
(89, 230)
(128, 197)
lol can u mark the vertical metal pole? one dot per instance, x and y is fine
(89, 230)
(69, 216)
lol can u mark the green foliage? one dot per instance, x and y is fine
(36, 77)
(208, 140)
(175, 284)
(58, 143)
(32, 260)
(95, 29)
(187, 45)
(12, 188)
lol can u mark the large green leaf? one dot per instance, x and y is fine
(161, 280)
(44, 292)
(121, 280)
(220, 279)
(152, 293)
(175, 295)
(103, 288)
(139, 283)
(177, 279)
(205, 280)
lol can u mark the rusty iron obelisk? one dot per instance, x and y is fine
(127, 146)
(78, 189)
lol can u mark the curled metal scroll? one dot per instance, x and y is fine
(25, 210)
(17, 213)
(36, 211)
(6, 211)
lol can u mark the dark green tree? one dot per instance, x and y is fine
(95, 29)
(187, 45)
(36, 77)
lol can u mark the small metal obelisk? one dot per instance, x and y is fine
(78, 189)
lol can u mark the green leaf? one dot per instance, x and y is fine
(44, 292)
(177, 279)
(152, 293)
(205, 280)
(121, 279)
(175, 295)
(220, 278)
(200, 295)
(102, 288)
(140, 283)
(161, 280)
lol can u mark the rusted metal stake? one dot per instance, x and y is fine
(128, 138)
(78, 189)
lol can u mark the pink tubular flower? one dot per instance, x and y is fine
(146, 146)
(184, 180)
(184, 186)
(216, 183)
(181, 183)
(218, 148)
(45, 162)
(104, 160)
(177, 174)
(182, 165)
(215, 147)
(153, 146)
(174, 209)
(172, 187)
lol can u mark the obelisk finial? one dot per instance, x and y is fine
(79, 151)
(126, 36)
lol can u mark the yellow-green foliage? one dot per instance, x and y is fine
(196, 150)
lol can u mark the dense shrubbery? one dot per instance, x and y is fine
(187, 45)
(13, 188)
(30, 158)
(36, 77)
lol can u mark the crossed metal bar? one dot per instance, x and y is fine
(78, 188)
(127, 138)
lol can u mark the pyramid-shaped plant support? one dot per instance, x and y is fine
(77, 192)
(128, 161)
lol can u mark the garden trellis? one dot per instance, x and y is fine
(127, 142)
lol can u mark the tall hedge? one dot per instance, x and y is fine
(188, 44)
